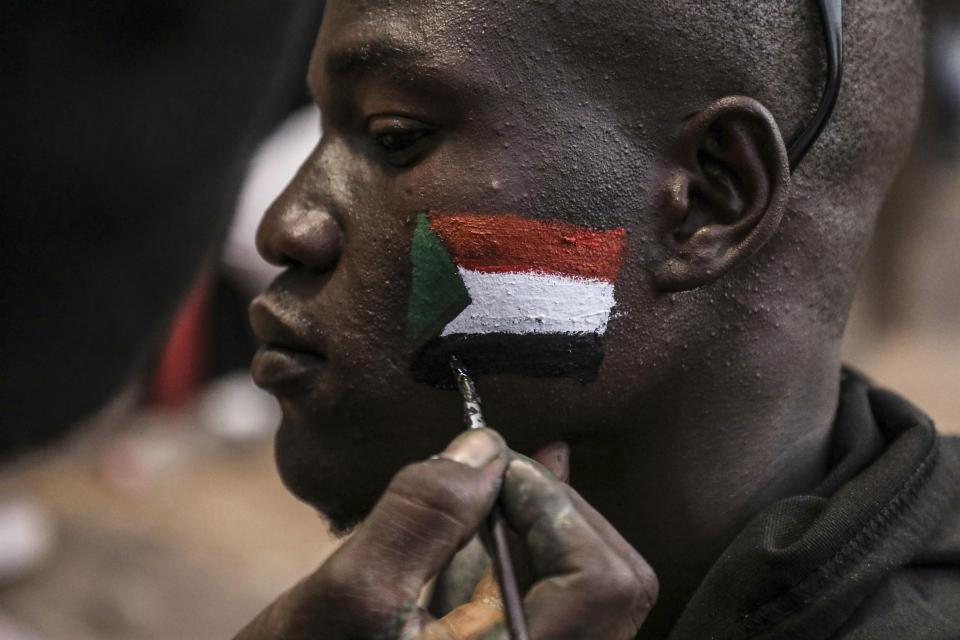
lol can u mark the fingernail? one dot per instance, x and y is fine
(473, 448)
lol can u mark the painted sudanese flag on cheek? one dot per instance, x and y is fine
(510, 295)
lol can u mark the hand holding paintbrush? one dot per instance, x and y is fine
(587, 581)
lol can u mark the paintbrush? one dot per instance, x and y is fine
(496, 524)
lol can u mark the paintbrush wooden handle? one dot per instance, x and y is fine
(506, 576)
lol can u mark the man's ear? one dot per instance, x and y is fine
(724, 192)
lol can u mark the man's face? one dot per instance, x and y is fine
(432, 107)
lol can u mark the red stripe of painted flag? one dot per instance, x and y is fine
(508, 243)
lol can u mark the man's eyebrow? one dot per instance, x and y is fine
(371, 57)
(409, 62)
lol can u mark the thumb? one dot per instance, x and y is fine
(428, 512)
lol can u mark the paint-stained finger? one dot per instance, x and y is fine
(584, 586)
(612, 537)
(428, 512)
(555, 458)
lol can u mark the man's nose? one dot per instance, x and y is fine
(295, 232)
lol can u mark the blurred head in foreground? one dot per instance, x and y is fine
(128, 128)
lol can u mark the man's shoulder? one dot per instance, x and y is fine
(942, 549)
(951, 444)
(920, 602)
(921, 599)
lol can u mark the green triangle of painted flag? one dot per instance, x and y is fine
(437, 292)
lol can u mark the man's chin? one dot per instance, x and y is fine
(340, 481)
(340, 524)
(339, 454)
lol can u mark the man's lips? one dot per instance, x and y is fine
(292, 348)
(277, 368)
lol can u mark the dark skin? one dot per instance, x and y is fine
(717, 390)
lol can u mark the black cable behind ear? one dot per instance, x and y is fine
(831, 13)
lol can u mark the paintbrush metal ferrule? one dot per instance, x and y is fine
(472, 413)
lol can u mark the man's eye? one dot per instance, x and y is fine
(398, 137)
(400, 140)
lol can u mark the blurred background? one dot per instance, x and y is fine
(142, 143)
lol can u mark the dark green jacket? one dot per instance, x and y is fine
(873, 553)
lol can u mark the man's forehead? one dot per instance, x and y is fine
(471, 48)
(374, 36)
(451, 28)
(425, 10)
